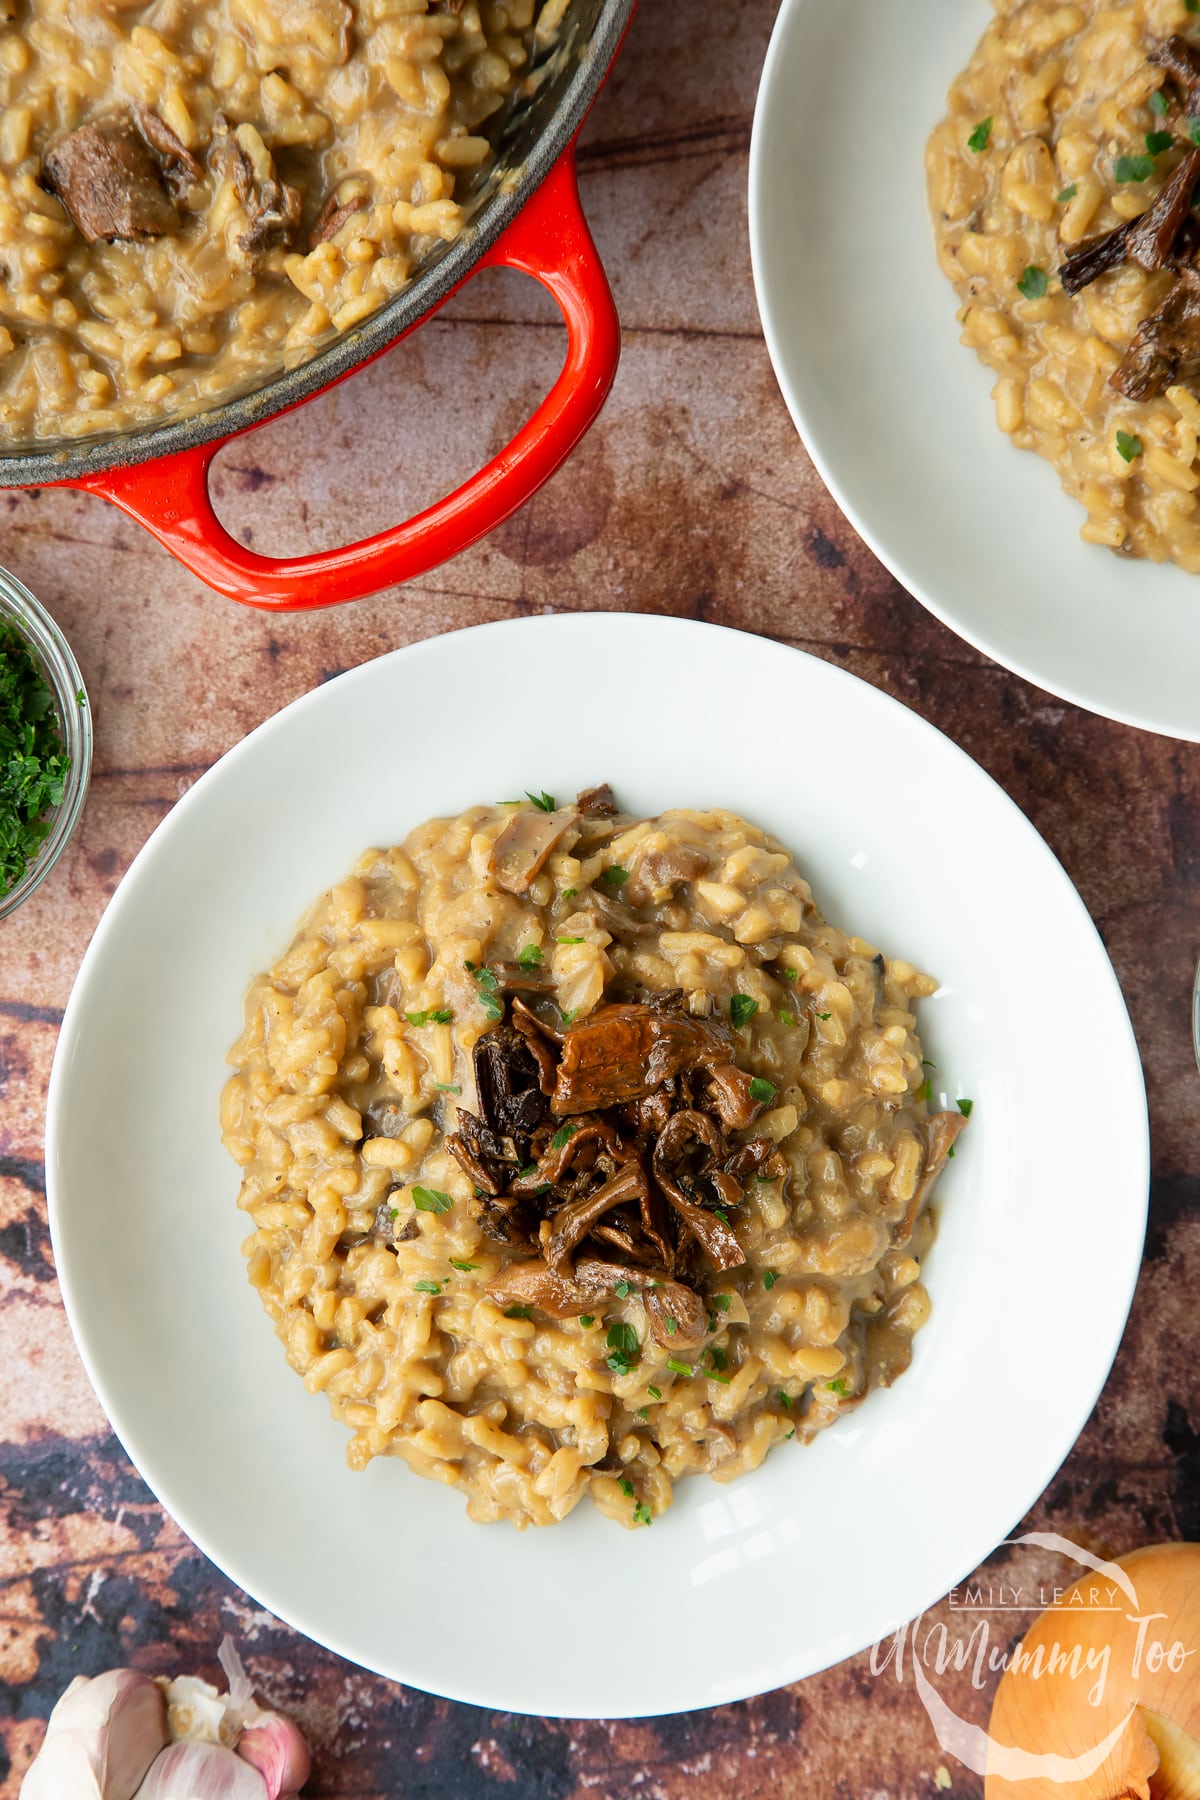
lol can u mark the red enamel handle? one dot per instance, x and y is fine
(549, 239)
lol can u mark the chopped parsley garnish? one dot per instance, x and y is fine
(643, 1412)
(770, 1277)
(925, 1091)
(586, 1319)
(783, 1399)
(563, 1136)
(966, 1107)
(530, 957)
(569, 893)
(765, 1179)
(33, 762)
(1192, 5)
(824, 1015)
(1158, 141)
(544, 802)
(839, 1387)
(1034, 282)
(569, 1018)
(1159, 104)
(456, 1262)
(715, 1375)
(741, 1010)
(979, 138)
(641, 1514)
(623, 1290)
(789, 1434)
(790, 974)
(1129, 445)
(568, 940)
(485, 981)
(786, 1018)
(717, 1357)
(615, 875)
(672, 1326)
(720, 1213)
(1133, 168)
(654, 1393)
(428, 1287)
(627, 1487)
(393, 1212)
(722, 1302)
(762, 1090)
(447, 1087)
(437, 1015)
(431, 1200)
(1068, 193)
(526, 1170)
(622, 1343)
(518, 1312)
(926, 1064)
(679, 1368)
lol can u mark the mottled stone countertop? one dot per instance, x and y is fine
(691, 496)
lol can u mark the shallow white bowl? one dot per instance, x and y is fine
(894, 411)
(748, 1586)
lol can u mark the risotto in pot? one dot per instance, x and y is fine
(194, 196)
(1064, 184)
(582, 1154)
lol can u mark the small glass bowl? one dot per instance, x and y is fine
(19, 608)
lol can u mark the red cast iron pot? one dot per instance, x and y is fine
(526, 216)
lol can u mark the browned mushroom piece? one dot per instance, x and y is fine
(534, 1283)
(1180, 59)
(110, 181)
(273, 208)
(582, 1140)
(573, 1222)
(179, 167)
(597, 803)
(1166, 348)
(656, 873)
(515, 978)
(941, 1129)
(730, 1090)
(1149, 241)
(525, 845)
(678, 1316)
(473, 1163)
(333, 215)
(673, 1167)
(507, 1080)
(623, 1052)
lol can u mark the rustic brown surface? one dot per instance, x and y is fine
(692, 496)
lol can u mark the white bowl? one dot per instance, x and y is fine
(895, 412)
(739, 1588)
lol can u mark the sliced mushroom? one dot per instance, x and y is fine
(272, 207)
(573, 1223)
(1166, 349)
(659, 869)
(334, 213)
(1148, 241)
(525, 846)
(109, 181)
(623, 1052)
(941, 1129)
(678, 1316)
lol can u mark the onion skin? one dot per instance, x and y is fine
(101, 1738)
(1130, 1677)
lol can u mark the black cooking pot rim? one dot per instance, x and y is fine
(36, 467)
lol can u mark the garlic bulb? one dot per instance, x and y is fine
(196, 1710)
(1117, 1656)
(102, 1737)
(192, 1771)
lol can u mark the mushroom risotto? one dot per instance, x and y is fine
(193, 196)
(582, 1154)
(1064, 183)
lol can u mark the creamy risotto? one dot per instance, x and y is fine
(194, 195)
(582, 1154)
(1063, 185)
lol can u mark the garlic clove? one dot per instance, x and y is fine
(1178, 1774)
(276, 1748)
(191, 1771)
(196, 1710)
(101, 1738)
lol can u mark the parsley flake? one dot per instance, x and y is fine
(824, 1015)
(641, 1514)
(720, 1213)
(586, 1319)
(784, 1400)
(1158, 141)
(485, 981)
(717, 1357)
(679, 1368)
(530, 957)
(1133, 168)
(770, 1277)
(643, 1412)
(544, 802)
(741, 1010)
(615, 875)
(431, 1200)
(1129, 445)
(1034, 282)
(568, 940)
(623, 1290)
(672, 1326)
(563, 1136)
(428, 1287)
(518, 1312)
(1068, 193)
(569, 1018)
(654, 1393)
(786, 1018)
(762, 1090)
(622, 1344)
(925, 1091)
(966, 1107)
(1159, 104)
(447, 1087)
(456, 1262)
(722, 1301)
(980, 137)
(840, 1388)
(569, 893)
(627, 1487)
(437, 1015)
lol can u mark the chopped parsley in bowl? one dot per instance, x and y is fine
(45, 743)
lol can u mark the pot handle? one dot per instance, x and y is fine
(549, 239)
